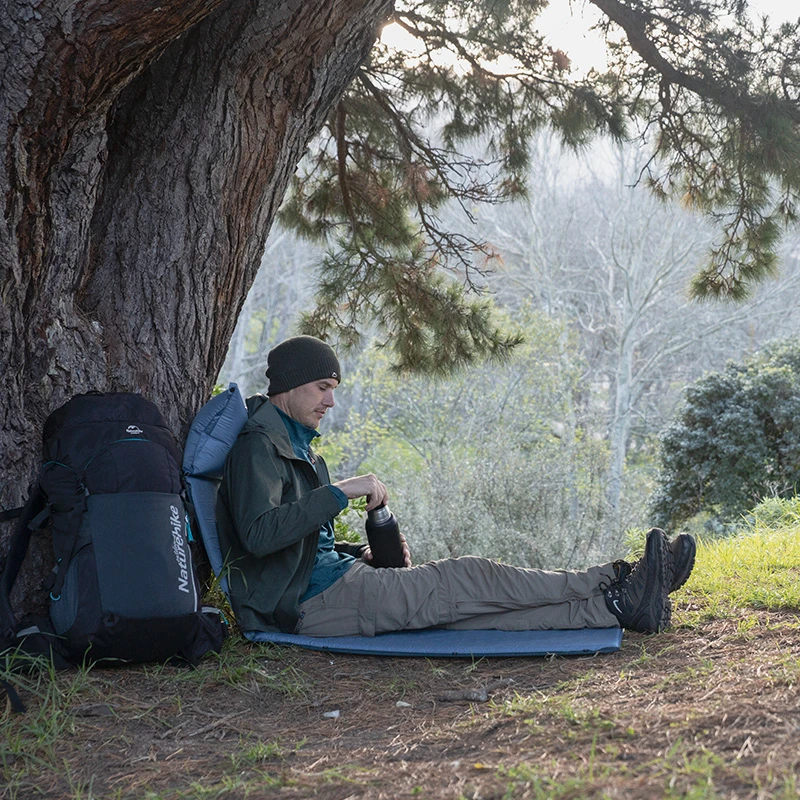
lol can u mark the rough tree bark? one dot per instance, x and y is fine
(145, 149)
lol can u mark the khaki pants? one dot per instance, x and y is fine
(463, 593)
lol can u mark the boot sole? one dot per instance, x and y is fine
(657, 551)
(683, 562)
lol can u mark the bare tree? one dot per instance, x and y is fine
(617, 263)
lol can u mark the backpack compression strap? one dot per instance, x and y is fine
(16, 704)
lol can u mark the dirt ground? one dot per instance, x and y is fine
(705, 710)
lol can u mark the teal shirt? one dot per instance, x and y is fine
(329, 565)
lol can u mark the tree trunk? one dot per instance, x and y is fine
(146, 148)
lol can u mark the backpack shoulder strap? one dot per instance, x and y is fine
(7, 514)
(17, 548)
(30, 649)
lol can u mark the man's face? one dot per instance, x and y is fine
(308, 403)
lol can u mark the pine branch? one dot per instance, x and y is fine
(733, 102)
(341, 158)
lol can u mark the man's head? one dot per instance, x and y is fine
(303, 372)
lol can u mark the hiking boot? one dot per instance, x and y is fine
(683, 550)
(640, 600)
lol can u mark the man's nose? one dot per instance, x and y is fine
(328, 399)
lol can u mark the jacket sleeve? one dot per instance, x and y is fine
(265, 524)
(355, 550)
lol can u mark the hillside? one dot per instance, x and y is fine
(709, 709)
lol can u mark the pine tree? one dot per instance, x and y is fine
(712, 96)
(147, 147)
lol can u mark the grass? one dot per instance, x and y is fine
(759, 568)
(733, 581)
(683, 772)
(688, 711)
(30, 742)
(61, 705)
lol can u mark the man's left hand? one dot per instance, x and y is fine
(366, 555)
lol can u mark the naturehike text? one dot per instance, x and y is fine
(179, 549)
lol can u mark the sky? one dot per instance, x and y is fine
(570, 21)
(569, 24)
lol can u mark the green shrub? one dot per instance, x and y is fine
(735, 441)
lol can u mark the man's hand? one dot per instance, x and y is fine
(366, 555)
(364, 486)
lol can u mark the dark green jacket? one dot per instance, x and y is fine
(270, 508)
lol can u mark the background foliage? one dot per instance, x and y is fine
(482, 462)
(594, 272)
(736, 439)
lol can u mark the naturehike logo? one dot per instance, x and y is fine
(178, 548)
(133, 430)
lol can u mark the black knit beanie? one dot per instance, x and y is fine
(300, 360)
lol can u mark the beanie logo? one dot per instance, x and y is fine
(334, 375)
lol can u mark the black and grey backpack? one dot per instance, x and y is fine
(122, 587)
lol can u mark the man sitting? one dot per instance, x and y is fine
(275, 515)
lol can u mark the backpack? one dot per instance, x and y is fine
(122, 588)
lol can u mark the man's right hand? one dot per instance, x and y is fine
(364, 486)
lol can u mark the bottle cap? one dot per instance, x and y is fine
(380, 514)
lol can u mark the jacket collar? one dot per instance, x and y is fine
(264, 418)
(267, 420)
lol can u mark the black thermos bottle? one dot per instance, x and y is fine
(383, 535)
